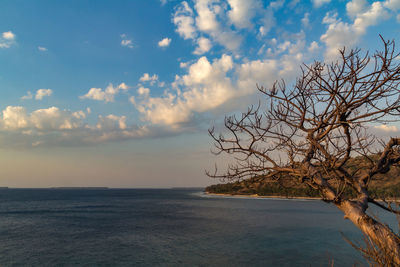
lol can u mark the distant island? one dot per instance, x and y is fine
(80, 187)
(387, 186)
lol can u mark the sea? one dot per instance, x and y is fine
(169, 227)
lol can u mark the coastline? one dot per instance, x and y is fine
(258, 196)
(286, 198)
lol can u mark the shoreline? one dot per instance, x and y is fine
(258, 196)
(284, 197)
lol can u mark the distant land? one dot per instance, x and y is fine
(385, 186)
(81, 187)
(188, 187)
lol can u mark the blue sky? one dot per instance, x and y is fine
(121, 93)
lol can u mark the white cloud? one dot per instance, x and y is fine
(98, 94)
(184, 22)
(220, 84)
(206, 86)
(7, 39)
(27, 96)
(111, 122)
(313, 47)
(222, 23)
(341, 34)
(392, 4)
(147, 78)
(277, 4)
(125, 41)
(42, 93)
(52, 118)
(55, 127)
(319, 3)
(142, 91)
(338, 35)
(79, 114)
(188, 24)
(305, 21)
(261, 72)
(8, 35)
(203, 46)
(330, 18)
(387, 128)
(41, 48)
(263, 30)
(268, 21)
(164, 42)
(206, 21)
(123, 86)
(14, 118)
(356, 7)
(106, 95)
(370, 17)
(132, 100)
(242, 11)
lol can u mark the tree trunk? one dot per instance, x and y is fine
(381, 235)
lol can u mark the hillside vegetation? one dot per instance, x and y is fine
(385, 186)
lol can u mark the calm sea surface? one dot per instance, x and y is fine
(172, 227)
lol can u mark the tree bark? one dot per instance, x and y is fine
(380, 234)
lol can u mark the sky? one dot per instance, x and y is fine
(122, 93)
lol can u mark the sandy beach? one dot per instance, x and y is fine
(391, 200)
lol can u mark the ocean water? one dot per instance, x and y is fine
(171, 227)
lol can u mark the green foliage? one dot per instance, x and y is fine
(270, 189)
(249, 187)
(384, 186)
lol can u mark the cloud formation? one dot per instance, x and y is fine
(55, 127)
(147, 78)
(235, 45)
(319, 3)
(209, 85)
(184, 22)
(209, 88)
(42, 93)
(209, 18)
(203, 46)
(164, 42)
(387, 128)
(242, 12)
(27, 96)
(125, 41)
(106, 95)
(7, 39)
(16, 117)
(342, 34)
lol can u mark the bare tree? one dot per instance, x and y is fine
(311, 131)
